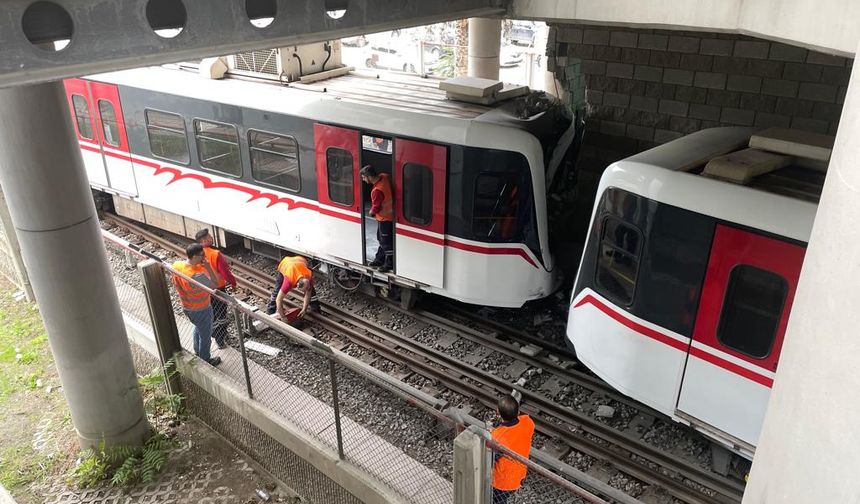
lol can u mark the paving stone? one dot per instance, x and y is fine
(827, 111)
(802, 72)
(765, 68)
(758, 102)
(676, 76)
(595, 37)
(794, 107)
(780, 87)
(673, 107)
(737, 116)
(594, 96)
(635, 56)
(746, 83)
(691, 94)
(607, 53)
(765, 120)
(684, 44)
(706, 112)
(807, 124)
(817, 92)
(616, 99)
(640, 132)
(752, 49)
(581, 51)
(621, 70)
(569, 34)
(643, 103)
(824, 59)
(697, 62)
(724, 98)
(594, 67)
(717, 47)
(710, 80)
(684, 125)
(730, 65)
(613, 128)
(653, 41)
(786, 52)
(835, 75)
(648, 73)
(665, 59)
(623, 39)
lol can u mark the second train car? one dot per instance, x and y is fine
(687, 282)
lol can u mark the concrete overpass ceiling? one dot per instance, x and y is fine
(48, 40)
(830, 26)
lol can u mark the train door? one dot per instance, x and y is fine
(338, 188)
(114, 141)
(746, 299)
(83, 115)
(420, 174)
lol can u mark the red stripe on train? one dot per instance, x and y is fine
(466, 246)
(658, 336)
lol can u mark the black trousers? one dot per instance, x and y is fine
(385, 236)
(220, 320)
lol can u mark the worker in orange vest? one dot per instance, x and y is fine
(219, 263)
(196, 302)
(514, 433)
(293, 272)
(382, 208)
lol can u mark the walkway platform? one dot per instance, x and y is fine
(379, 458)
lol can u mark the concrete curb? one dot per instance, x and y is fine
(6, 497)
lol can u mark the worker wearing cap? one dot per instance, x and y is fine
(514, 433)
(381, 208)
(292, 272)
(196, 301)
(218, 263)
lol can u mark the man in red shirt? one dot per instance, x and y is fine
(381, 208)
(218, 263)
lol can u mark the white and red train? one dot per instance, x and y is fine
(686, 283)
(280, 166)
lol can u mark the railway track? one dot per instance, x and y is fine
(631, 456)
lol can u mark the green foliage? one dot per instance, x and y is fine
(123, 465)
(90, 470)
(446, 64)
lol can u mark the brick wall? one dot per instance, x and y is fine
(640, 88)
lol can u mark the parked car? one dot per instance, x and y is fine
(390, 58)
(359, 41)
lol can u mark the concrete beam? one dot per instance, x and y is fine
(116, 34)
(831, 26)
(808, 452)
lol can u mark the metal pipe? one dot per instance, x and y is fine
(333, 371)
(237, 315)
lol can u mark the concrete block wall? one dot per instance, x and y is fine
(642, 87)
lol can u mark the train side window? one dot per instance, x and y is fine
(417, 194)
(82, 117)
(751, 311)
(167, 138)
(275, 159)
(110, 128)
(218, 147)
(340, 177)
(496, 207)
(618, 263)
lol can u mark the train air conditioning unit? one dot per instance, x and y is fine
(292, 63)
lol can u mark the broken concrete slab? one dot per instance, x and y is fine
(794, 142)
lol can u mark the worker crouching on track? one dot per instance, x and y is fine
(382, 209)
(196, 302)
(219, 263)
(514, 433)
(293, 272)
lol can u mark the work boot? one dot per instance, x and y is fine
(215, 361)
(221, 344)
(375, 263)
(315, 307)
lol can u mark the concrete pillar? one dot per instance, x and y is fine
(472, 467)
(485, 39)
(52, 210)
(808, 451)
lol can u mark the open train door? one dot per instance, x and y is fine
(83, 117)
(338, 190)
(420, 173)
(114, 141)
(746, 300)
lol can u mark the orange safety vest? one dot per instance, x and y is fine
(293, 268)
(386, 212)
(192, 296)
(508, 474)
(212, 256)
